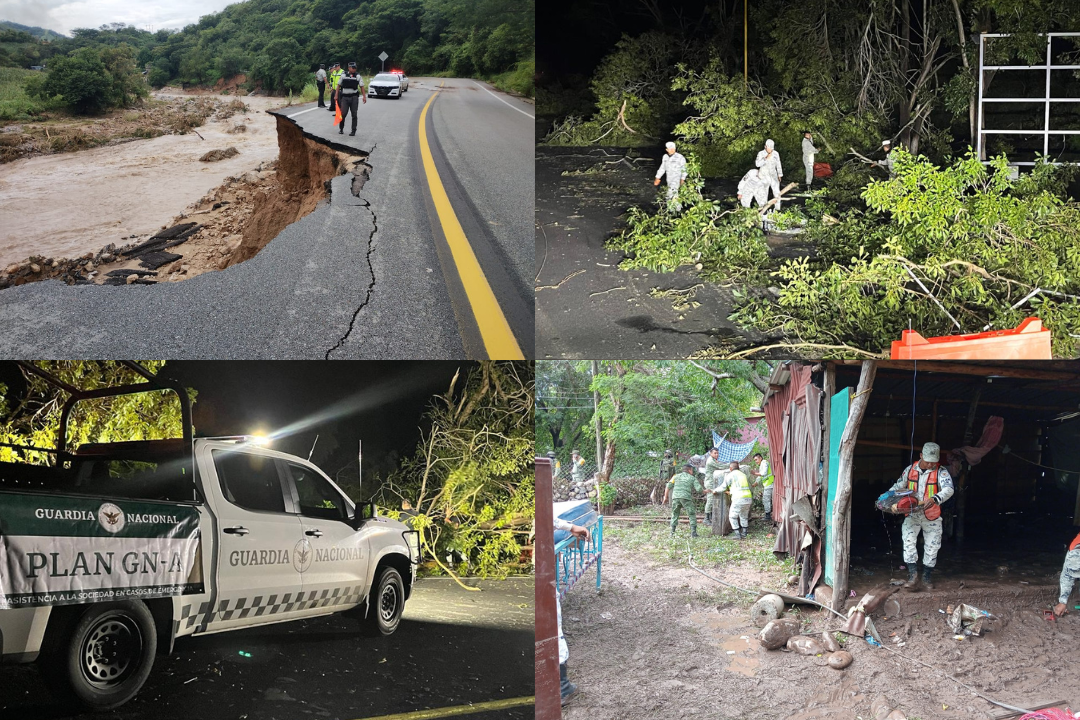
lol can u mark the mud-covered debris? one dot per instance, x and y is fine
(766, 609)
(775, 635)
(154, 260)
(239, 128)
(805, 645)
(829, 642)
(124, 272)
(215, 155)
(839, 659)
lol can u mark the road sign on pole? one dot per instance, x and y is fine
(383, 56)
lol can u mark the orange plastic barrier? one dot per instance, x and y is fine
(1029, 341)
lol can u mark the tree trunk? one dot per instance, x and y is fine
(596, 415)
(967, 67)
(842, 503)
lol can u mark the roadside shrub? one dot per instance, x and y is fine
(519, 79)
(95, 80)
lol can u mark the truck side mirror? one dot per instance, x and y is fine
(364, 512)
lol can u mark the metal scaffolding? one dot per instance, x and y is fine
(1046, 100)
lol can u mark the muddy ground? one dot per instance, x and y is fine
(662, 641)
(586, 306)
(68, 204)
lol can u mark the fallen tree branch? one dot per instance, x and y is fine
(557, 286)
(792, 346)
(776, 199)
(603, 292)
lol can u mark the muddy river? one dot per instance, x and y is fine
(73, 203)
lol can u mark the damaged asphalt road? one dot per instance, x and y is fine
(453, 648)
(360, 277)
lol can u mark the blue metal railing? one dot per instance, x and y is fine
(573, 557)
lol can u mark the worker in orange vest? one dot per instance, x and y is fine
(1070, 573)
(932, 485)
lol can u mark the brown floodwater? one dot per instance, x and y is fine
(69, 204)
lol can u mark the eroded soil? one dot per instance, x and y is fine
(662, 641)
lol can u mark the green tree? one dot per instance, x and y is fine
(471, 480)
(33, 419)
(86, 83)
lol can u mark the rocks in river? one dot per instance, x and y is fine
(216, 155)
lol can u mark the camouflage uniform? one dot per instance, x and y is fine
(577, 469)
(1070, 571)
(667, 469)
(675, 167)
(916, 521)
(711, 481)
(682, 488)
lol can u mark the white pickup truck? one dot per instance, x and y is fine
(116, 549)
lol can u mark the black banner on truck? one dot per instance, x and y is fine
(57, 550)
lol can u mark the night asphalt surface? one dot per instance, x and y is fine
(586, 307)
(453, 648)
(360, 277)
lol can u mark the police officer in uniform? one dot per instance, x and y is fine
(350, 88)
(320, 82)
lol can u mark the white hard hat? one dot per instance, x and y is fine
(886, 142)
(770, 144)
(931, 452)
(670, 146)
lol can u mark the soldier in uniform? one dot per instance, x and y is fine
(1070, 573)
(741, 499)
(350, 89)
(681, 489)
(713, 469)
(674, 165)
(932, 485)
(577, 466)
(764, 474)
(889, 163)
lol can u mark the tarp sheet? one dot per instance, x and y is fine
(59, 550)
(730, 451)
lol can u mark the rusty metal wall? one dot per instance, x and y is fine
(548, 700)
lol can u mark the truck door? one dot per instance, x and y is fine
(260, 545)
(338, 571)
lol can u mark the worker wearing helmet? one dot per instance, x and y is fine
(932, 485)
(742, 497)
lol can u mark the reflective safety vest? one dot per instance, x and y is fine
(1075, 543)
(740, 486)
(766, 481)
(931, 482)
(335, 77)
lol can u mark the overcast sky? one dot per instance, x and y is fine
(65, 15)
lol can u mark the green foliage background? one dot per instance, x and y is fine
(34, 417)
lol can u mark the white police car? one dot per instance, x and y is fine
(385, 85)
(404, 79)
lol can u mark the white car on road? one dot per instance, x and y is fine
(386, 85)
(404, 79)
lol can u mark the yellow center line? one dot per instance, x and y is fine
(498, 338)
(458, 710)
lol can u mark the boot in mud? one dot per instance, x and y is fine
(926, 581)
(567, 688)
(708, 518)
(912, 578)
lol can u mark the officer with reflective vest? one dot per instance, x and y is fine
(931, 485)
(335, 75)
(741, 499)
(1070, 573)
(764, 473)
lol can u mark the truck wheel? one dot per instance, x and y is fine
(107, 655)
(387, 603)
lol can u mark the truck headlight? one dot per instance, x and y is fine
(412, 540)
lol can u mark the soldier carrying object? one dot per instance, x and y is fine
(741, 499)
(681, 489)
(932, 485)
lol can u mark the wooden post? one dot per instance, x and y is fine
(842, 503)
(597, 426)
(826, 442)
(548, 696)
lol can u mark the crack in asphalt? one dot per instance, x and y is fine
(367, 257)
